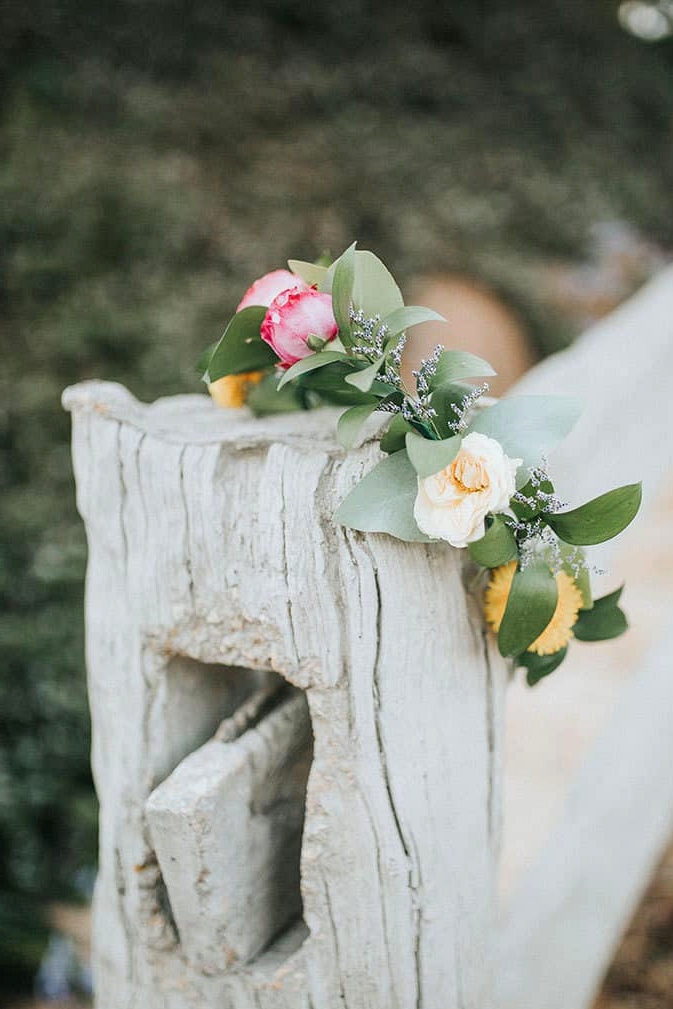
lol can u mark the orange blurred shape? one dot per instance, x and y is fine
(478, 321)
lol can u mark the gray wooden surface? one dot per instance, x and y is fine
(213, 552)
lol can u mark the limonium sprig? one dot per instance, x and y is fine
(372, 334)
(454, 467)
(462, 410)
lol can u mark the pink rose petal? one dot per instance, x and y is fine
(266, 288)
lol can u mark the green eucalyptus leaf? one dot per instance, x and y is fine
(394, 438)
(530, 606)
(264, 398)
(365, 378)
(428, 457)
(350, 423)
(539, 666)
(203, 361)
(412, 315)
(497, 546)
(383, 501)
(241, 348)
(374, 290)
(527, 426)
(311, 363)
(311, 273)
(606, 619)
(331, 386)
(454, 365)
(343, 279)
(600, 519)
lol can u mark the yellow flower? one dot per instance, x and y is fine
(232, 391)
(558, 631)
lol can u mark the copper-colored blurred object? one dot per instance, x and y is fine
(478, 321)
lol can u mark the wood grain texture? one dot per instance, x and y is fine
(212, 550)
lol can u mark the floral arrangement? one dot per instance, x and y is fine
(456, 467)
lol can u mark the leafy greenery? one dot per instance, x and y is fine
(598, 520)
(530, 606)
(409, 316)
(351, 421)
(339, 280)
(539, 666)
(603, 621)
(310, 363)
(528, 426)
(241, 347)
(428, 456)
(534, 503)
(383, 501)
(497, 546)
(330, 385)
(453, 365)
(312, 273)
(364, 378)
(375, 291)
(265, 398)
(394, 439)
(443, 400)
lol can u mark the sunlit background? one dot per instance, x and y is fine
(511, 161)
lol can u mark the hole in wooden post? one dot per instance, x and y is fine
(227, 823)
(191, 700)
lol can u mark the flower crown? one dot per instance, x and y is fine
(456, 467)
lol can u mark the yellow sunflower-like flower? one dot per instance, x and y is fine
(232, 391)
(558, 631)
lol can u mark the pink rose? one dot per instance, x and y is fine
(294, 316)
(268, 287)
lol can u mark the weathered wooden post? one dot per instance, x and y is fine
(236, 636)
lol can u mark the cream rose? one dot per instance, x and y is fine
(452, 504)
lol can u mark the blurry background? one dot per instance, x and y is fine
(158, 155)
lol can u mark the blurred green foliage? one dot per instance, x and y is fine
(157, 156)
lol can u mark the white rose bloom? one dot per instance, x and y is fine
(452, 504)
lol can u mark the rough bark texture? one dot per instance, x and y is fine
(215, 564)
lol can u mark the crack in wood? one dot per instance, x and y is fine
(185, 506)
(409, 849)
(379, 869)
(125, 921)
(335, 940)
(123, 497)
(288, 601)
(490, 738)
